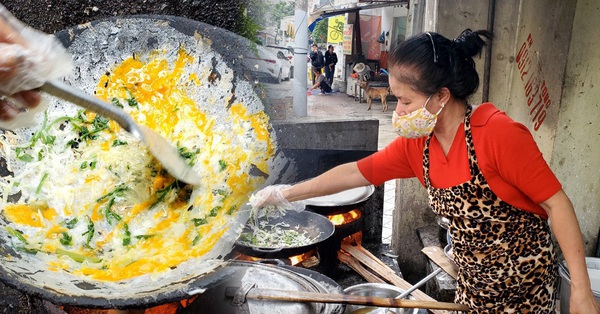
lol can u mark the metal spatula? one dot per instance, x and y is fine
(162, 150)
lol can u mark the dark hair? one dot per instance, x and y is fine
(330, 46)
(315, 45)
(430, 61)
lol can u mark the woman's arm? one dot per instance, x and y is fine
(566, 229)
(338, 179)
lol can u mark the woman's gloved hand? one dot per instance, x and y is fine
(272, 199)
(28, 58)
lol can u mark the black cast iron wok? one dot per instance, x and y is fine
(316, 226)
(95, 47)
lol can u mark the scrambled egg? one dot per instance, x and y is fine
(94, 202)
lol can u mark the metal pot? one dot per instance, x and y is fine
(449, 249)
(271, 277)
(95, 46)
(444, 226)
(376, 290)
(340, 202)
(593, 266)
(316, 226)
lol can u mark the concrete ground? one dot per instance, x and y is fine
(51, 16)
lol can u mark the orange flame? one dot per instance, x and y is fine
(344, 218)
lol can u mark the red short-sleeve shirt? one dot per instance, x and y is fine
(507, 154)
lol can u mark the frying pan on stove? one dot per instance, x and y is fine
(95, 47)
(317, 227)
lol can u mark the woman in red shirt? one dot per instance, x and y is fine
(482, 170)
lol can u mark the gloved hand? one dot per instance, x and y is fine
(28, 58)
(271, 202)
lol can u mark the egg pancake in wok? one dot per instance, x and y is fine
(88, 198)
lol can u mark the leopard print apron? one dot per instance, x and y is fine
(505, 255)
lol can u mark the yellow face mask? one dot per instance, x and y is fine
(416, 124)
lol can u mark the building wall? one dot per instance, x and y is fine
(543, 75)
(387, 21)
(544, 68)
(577, 142)
(537, 50)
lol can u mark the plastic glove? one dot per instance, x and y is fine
(271, 202)
(28, 58)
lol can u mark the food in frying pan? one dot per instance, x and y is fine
(88, 198)
(264, 234)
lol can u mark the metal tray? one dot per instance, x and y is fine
(347, 197)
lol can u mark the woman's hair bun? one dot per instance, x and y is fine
(470, 42)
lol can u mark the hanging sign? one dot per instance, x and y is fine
(347, 44)
(335, 29)
(370, 28)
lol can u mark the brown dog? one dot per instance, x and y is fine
(374, 93)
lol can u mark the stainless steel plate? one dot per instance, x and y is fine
(348, 197)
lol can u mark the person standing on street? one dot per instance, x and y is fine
(330, 62)
(317, 61)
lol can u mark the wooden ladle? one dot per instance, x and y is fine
(240, 295)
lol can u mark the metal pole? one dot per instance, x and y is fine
(485, 94)
(300, 55)
(419, 284)
(357, 35)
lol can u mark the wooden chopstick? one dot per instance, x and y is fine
(438, 256)
(358, 267)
